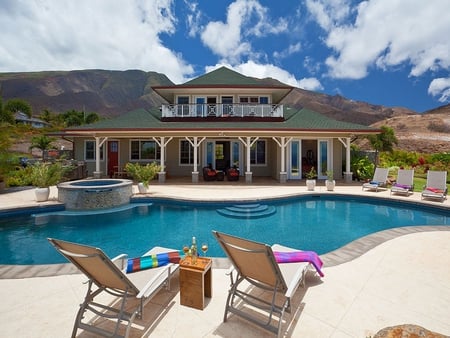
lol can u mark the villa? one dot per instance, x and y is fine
(221, 120)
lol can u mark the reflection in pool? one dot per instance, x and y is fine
(319, 223)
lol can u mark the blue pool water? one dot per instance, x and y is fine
(316, 223)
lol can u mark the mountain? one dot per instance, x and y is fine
(111, 93)
(108, 93)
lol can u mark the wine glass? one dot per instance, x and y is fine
(185, 250)
(204, 248)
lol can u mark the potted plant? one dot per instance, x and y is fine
(310, 179)
(44, 175)
(330, 182)
(143, 174)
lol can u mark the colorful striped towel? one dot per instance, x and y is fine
(300, 256)
(152, 261)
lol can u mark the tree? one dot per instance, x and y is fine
(18, 105)
(383, 142)
(5, 115)
(42, 142)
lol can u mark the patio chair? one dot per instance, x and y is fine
(255, 264)
(379, 180)
(404, 183)
(134, 290)
(436, 187)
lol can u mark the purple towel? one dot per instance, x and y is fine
(402, 186)
(300, 256)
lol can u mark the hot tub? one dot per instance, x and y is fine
(95, 193)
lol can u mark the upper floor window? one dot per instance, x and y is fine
(254, 99)
(258, 153)
(89, 151)
(144, 150)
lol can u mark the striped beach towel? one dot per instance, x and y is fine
(152, 261)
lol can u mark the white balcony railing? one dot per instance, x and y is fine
(222, 110)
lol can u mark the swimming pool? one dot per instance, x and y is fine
(319, 223)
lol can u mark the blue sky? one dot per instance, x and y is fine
(389, 52)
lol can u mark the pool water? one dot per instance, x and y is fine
(320, 224)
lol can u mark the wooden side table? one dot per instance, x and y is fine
(195, 282)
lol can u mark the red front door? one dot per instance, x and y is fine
(113, 157)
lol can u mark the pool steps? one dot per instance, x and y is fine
(248, 211)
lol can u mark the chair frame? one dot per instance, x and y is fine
(107, 275)
(380, 176)
(404, 177)
(435, 179)
(263, 272)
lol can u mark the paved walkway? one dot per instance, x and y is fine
(391, 278)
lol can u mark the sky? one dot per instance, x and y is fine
(390, 52)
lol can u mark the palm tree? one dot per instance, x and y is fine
(383, 142)
(42, 142)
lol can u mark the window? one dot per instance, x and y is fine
(144, 150)
(264, 100)
(186, 152)
(254, 99)
(258, 153)
(183, 105)
(89, 151)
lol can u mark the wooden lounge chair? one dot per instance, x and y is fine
(436, 187)
(106, 275)
(255, 264)
(405, 182)
(379, 180)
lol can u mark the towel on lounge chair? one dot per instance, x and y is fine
(435, 190)
(152, 261)
(300, 256)
(402, 186)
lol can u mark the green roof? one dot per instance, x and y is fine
(223, 76)
(302, 120)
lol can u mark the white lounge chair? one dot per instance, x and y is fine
(404, 183)
(255, 263)
(106, 275)
(436, 187)
(379, 180)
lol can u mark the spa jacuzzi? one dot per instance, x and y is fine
(95, 193)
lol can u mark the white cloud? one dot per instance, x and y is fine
(291, 49)
(261, 71)
(386, 33)
(328, 13)
(107, 34)
(245, 18)
(440, 87)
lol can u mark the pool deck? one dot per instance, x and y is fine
(398, 276)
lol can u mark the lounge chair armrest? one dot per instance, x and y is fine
(230, 273)
(120, 261)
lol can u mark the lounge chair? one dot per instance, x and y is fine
(404, 183)
(436, 187)
(379, 179)
(255, 263)
(134, 290)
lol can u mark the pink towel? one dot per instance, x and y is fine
(300, 256)
(435, 190)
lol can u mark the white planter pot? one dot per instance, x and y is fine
(42, 194)
(142, 188)
(310, 184)
(330, 185)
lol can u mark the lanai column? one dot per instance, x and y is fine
(348, 175)
(98, 145)
(248, 142)
(196, 144)
(282, 143)
(162, 142)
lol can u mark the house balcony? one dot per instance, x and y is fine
(222, 110)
